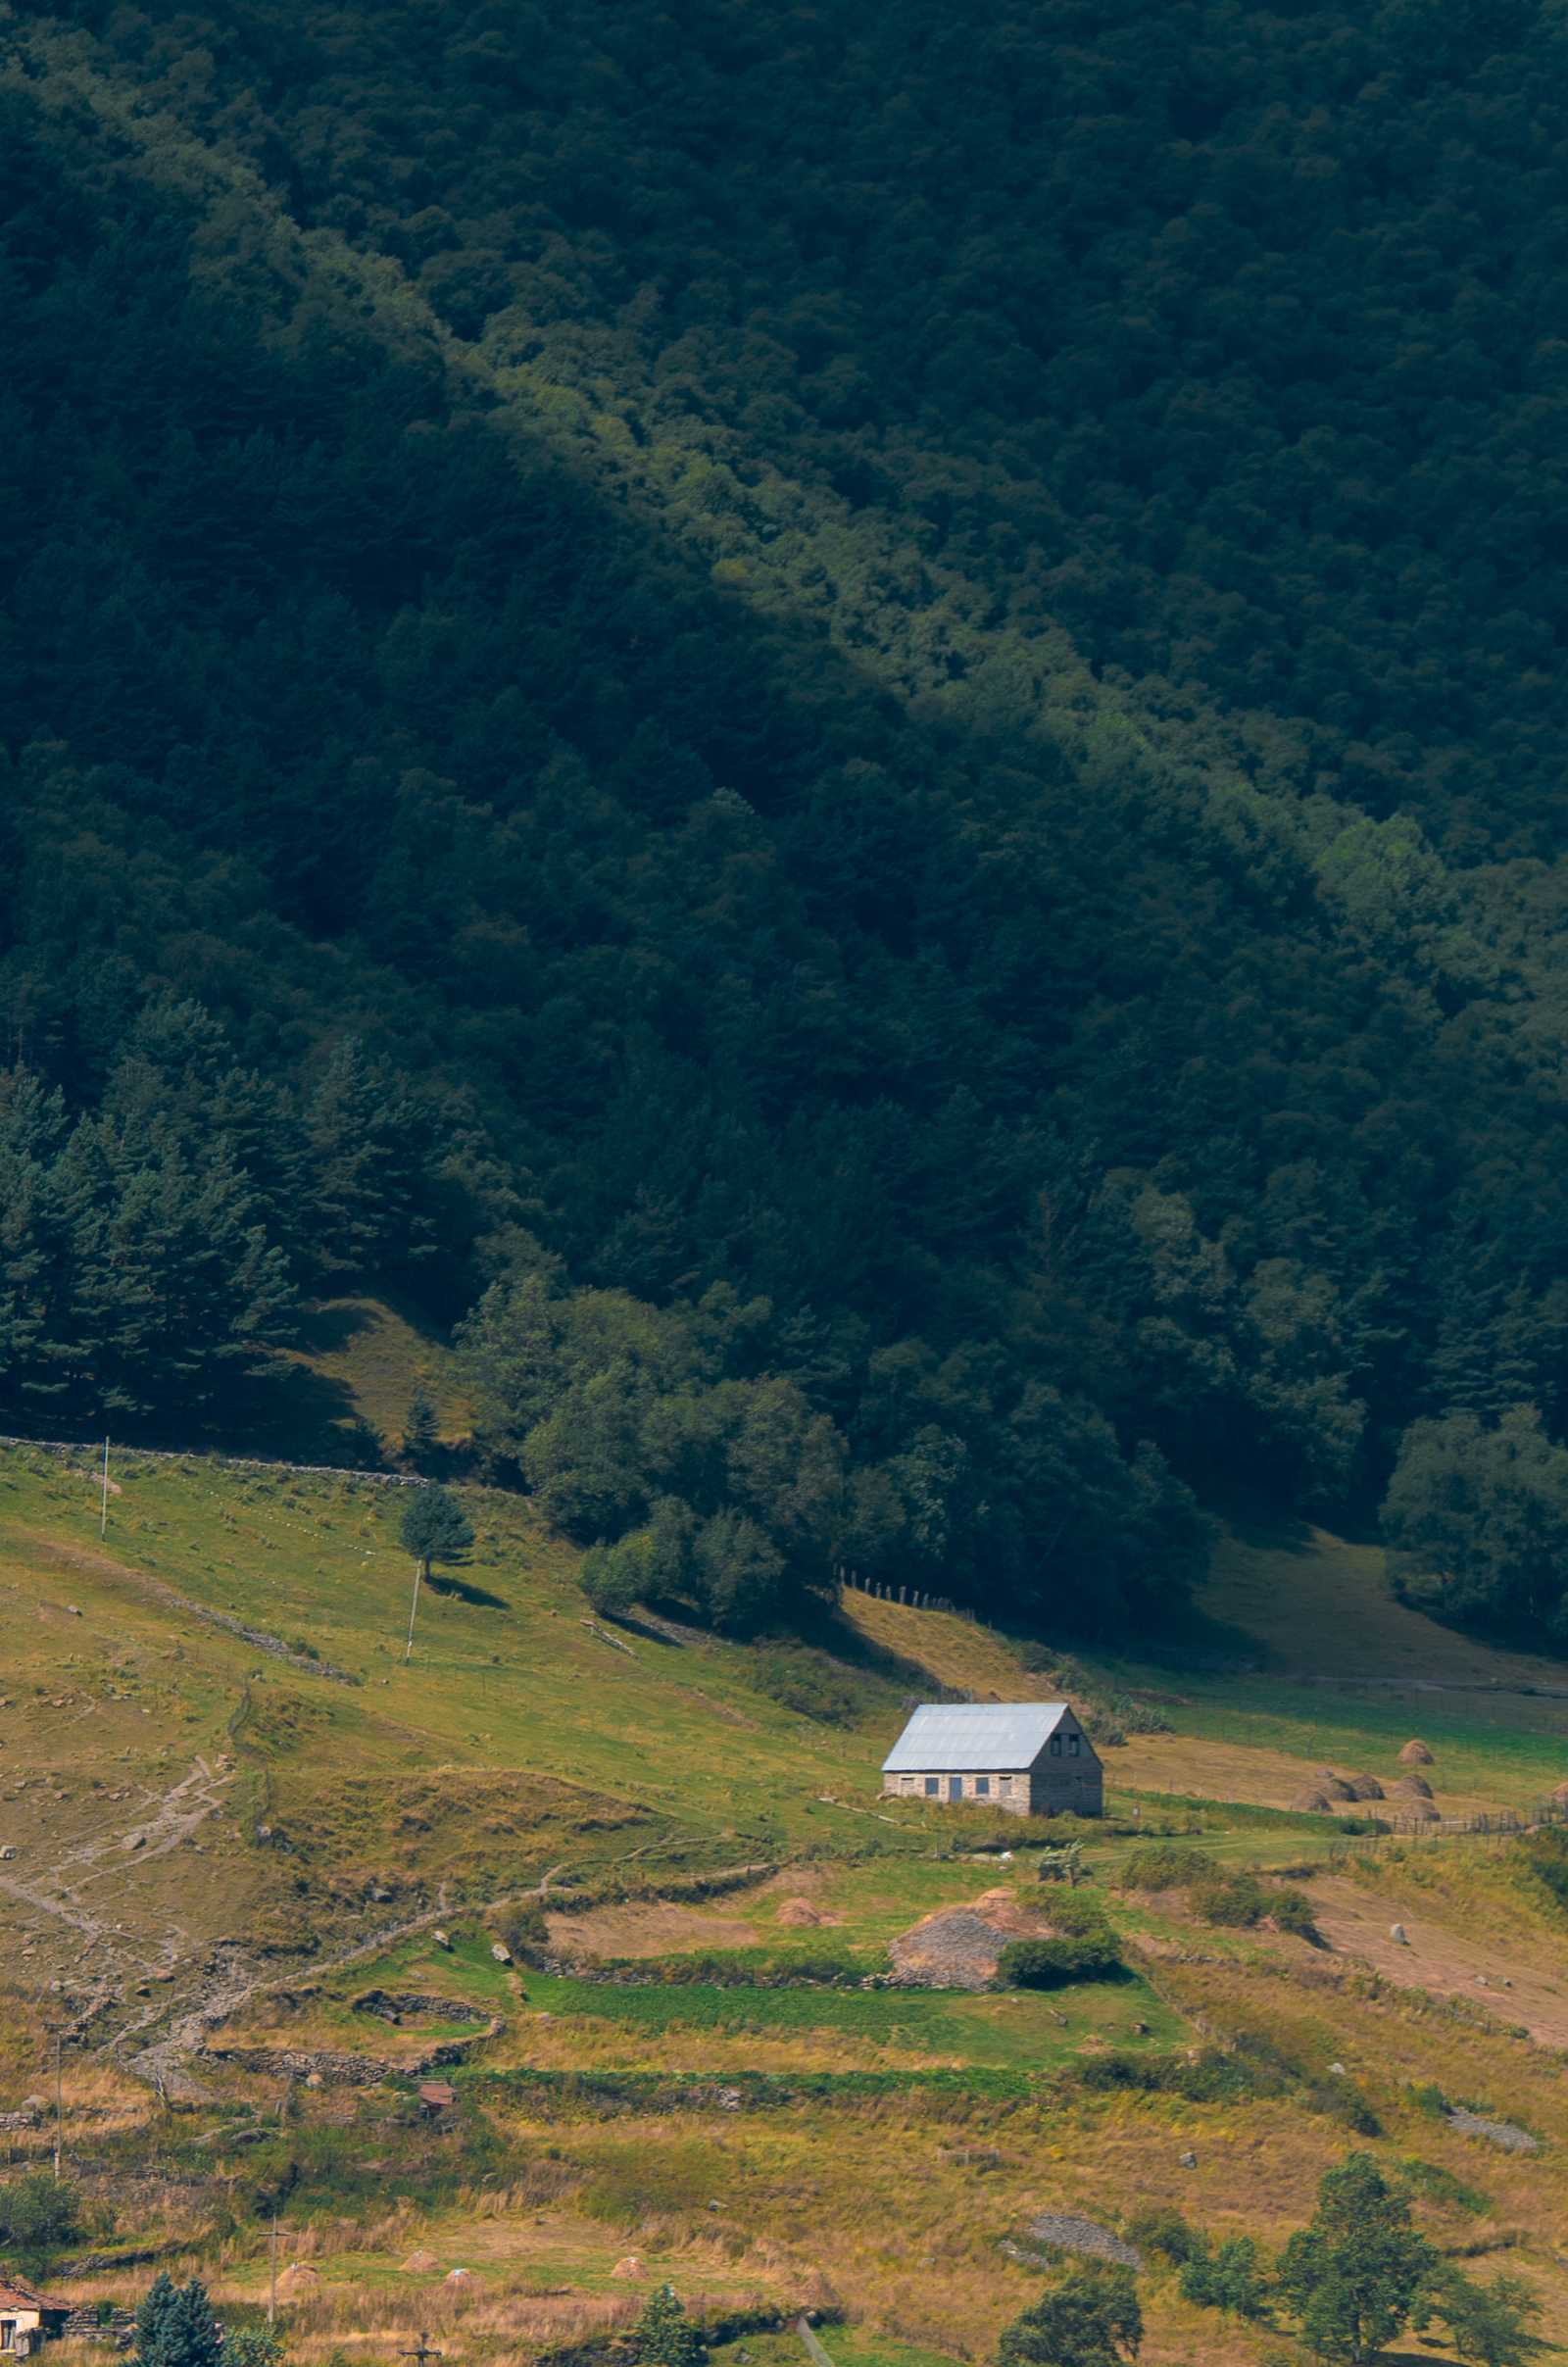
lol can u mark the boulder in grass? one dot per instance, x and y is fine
(1416, 1754)
(1412, 1787)
(1313, 1802)
(1366, 1786)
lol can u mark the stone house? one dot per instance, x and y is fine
(1030, 1757)
(26, 2318)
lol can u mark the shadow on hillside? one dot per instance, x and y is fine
(442, 1582)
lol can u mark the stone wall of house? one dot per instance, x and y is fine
(1014, 1798)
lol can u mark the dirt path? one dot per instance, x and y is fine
(1356, 1922)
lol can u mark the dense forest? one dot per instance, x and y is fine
(845, 724)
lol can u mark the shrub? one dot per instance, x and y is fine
(1292, 1910)
(1156, 1867)
(1158, 2227)
(1086, 1949)
(1243, 1900)
(523, 1929)
(35, 2214)
(1233, 1903)
(1229, 2278)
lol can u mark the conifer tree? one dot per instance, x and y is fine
(175, 2328)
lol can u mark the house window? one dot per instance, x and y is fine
(1004, 1783)
(1056, 1746)
(982, 1787)
(932, 1785)
(908, 1785)
(1072, 1746)
(8, 2334)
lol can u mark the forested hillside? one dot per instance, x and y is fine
(846, 723)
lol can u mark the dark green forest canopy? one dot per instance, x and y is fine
(861, 707)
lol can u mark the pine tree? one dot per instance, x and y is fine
(435, 1528)
(418, 1427)
(663, 2337)
(175, 2327)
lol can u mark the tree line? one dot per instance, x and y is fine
(573, 704)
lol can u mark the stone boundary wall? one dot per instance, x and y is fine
(340, 2068)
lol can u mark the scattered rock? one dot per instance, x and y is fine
(1187, 2161)
(442, 1941)
(313, 2079)
(1482, 1978)
(1496, 2132)
(502, 1954)
(957, 1946)
(1074, 2235)
(420, 2264)
(1416, 1754)
(1396, 1935)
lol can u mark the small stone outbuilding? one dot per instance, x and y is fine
(26, 2318)
(1032, 1759)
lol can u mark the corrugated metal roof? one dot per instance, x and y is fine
(959, 1735)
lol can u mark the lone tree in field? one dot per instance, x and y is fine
(435, 1528)
(1089, 2320)
(1358, 2272)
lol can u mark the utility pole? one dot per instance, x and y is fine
(418, 1572)
(103, 1525)
(271, 2299)
(423, 2355)
(57, 2107)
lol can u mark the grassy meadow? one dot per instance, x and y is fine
(285, 1807)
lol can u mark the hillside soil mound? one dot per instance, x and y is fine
(957, 1946)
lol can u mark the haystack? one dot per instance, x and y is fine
(1416, 1754)
(800, 1912)
(1420, 1811)
(1364, 1787)
(1412, 1787)
(1313, 1802)
(421, 2263)
(1334, 1784)
(1559, 1797)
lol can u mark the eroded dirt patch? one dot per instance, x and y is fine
(1358, 1922)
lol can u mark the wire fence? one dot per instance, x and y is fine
(1494, 1824)
(94, 1448)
